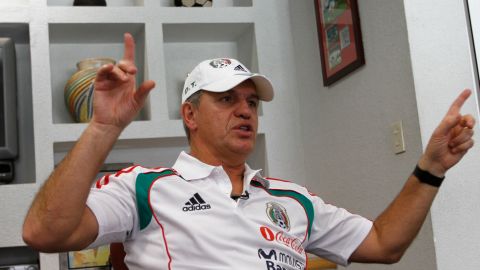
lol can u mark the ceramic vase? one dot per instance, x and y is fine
(79, 88)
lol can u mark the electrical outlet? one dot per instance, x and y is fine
(397, 137)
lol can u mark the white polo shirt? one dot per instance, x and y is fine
(184, 218)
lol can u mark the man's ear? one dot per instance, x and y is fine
(188, 112)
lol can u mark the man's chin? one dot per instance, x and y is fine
(244, 148)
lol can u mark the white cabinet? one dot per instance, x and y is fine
(52, 36)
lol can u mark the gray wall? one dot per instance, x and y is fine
(443, 64)
(346, 127)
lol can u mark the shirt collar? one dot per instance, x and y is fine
(249, 175)
(190, 168)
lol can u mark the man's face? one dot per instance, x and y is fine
(227, 122)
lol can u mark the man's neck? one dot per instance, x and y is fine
(234, 166)
(236, 178)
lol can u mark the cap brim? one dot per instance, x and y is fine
(263, 85)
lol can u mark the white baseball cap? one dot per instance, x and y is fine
(222, 74)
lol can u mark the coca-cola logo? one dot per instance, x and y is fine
(267, 233)
(281, 237)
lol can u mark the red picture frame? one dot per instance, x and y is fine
(340, 38)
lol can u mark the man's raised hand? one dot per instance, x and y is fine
(451, 139)
(116, 101)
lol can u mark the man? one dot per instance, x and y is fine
(211, 211)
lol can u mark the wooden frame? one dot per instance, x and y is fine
(340, 38)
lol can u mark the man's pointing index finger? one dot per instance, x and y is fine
(458, 103)
(129, 50)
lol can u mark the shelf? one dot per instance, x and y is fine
(14, 14)
(146, 152)
(70, 43)
(67, 133)
(16, 3)
(187, 44)
(24, 164)
(110, 3)
(61, 14)
(215, 3)
(174, 15)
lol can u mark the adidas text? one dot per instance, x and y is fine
(196, 207)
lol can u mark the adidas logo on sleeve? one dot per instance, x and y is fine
(196, 203)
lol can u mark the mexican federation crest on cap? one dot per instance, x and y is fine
(220, 62)
(278, 215)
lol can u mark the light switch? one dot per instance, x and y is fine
(397, 137)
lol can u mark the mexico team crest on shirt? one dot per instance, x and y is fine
(278, 215)
(220, 63)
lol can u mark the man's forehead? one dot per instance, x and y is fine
(247, 85)
(249, 92)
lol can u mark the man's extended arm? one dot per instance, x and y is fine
(58, 219)
(394, 230)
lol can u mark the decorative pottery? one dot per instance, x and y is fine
(90, 3)
(79, 88)
(193, 3)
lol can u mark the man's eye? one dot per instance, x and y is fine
(253, 103)
(226, 99)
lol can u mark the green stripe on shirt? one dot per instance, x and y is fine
(142, 188)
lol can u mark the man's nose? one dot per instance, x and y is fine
(244, 110)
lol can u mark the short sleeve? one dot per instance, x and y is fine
(112, 200)
(336, 233)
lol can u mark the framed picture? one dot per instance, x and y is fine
(340, 38)
(97, 258)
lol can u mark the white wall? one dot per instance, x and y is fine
(284, 147)
(442, 66)
(348, 153)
